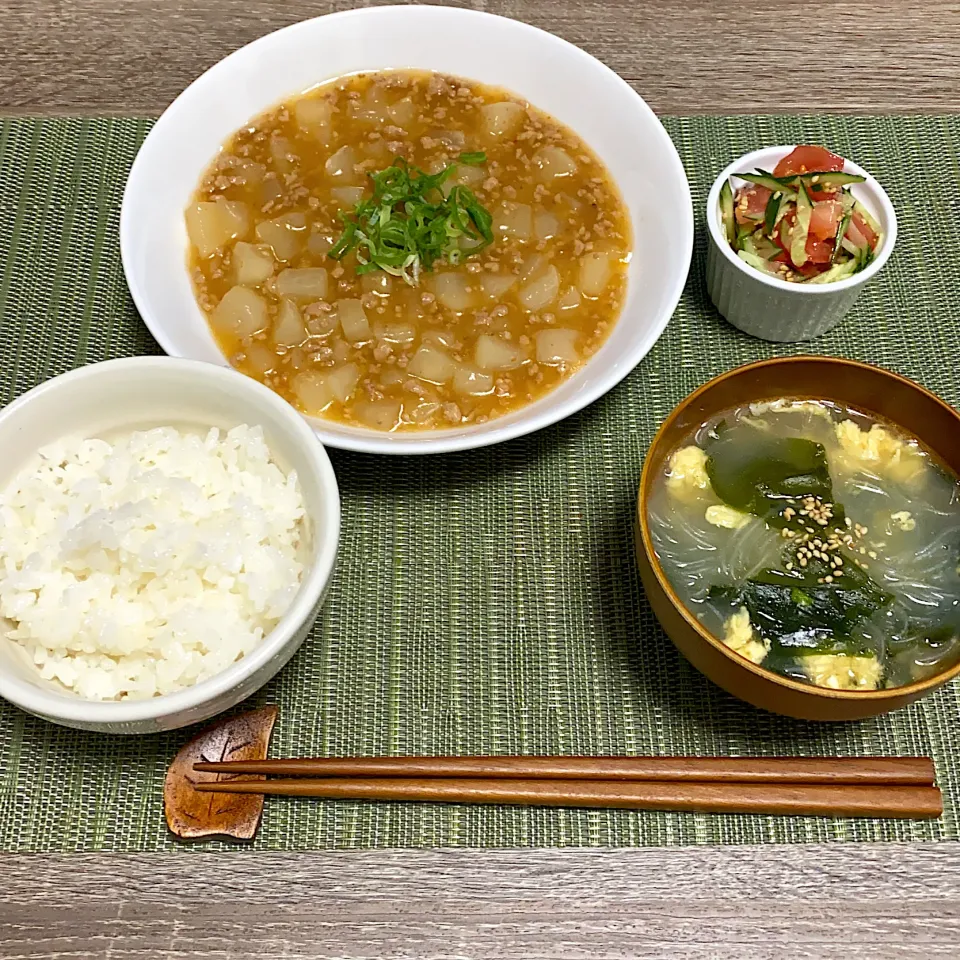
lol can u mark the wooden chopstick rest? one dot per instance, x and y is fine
(190, 815)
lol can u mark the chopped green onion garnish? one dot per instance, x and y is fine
(407, 225)
(472, 159)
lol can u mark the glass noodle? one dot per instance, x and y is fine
(860, 595)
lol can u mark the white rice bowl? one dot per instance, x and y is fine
(143, 565)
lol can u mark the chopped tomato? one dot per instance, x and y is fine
(858, 224)
(781, 233)
(817, 193)
(819, 251)
(825, 219)
(811, 269)
(807, 159)
(855, 235)
(751, 203)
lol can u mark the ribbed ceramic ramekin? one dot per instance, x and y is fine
(774, 309)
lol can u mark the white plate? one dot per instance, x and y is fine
(552, 74)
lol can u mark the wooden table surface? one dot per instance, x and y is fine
(844, 900)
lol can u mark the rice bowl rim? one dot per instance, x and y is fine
(70, 707)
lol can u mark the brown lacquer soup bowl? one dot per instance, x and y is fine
(871, 390)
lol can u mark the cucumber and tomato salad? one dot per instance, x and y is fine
(800, 222)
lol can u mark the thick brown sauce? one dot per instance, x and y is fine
(470, 342)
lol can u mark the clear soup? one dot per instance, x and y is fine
(815, 541)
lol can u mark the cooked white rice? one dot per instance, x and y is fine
(141, 566)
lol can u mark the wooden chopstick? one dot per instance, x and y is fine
(902, 771)
(844, 800)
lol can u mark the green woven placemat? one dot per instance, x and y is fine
(485, 602)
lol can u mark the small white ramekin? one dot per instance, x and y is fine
(774, 309)
(142, 392)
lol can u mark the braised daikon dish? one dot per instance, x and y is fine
(405, 250)
(816, 542)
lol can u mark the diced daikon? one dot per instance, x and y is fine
(497, 285)
(319, 244)
(342, 381)
(492, 353)
(213, 224)
(553, 162)
(340, 165)
(545, 225)
(513, 220)
(595, 270)
(432, 365)
(284, 158)
(556, 346)
(288, 328)
(353, 320)
(472, 383)
(569, 300)
(379, 414)
(252, 265)
(377, 282)
(284, 235)
(502, 119)
(241, 312)
(347, 197)
(260, 359)
(312, 392)
(454, 291)
(316, 117)
(302, 283)
(402, 112)
(541, 291)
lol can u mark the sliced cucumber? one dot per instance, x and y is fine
(801, 229)
(839, 271)
(831, 178)
(757, 262)
(867, 216)
(726, 212)
(765, 247)
(762, 179)
(863, 259)
(838, 239)
(742, 234)
(776, 207)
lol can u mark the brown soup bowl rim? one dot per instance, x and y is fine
(911, 691)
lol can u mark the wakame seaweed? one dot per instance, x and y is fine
(797, 612)
(770, 474)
